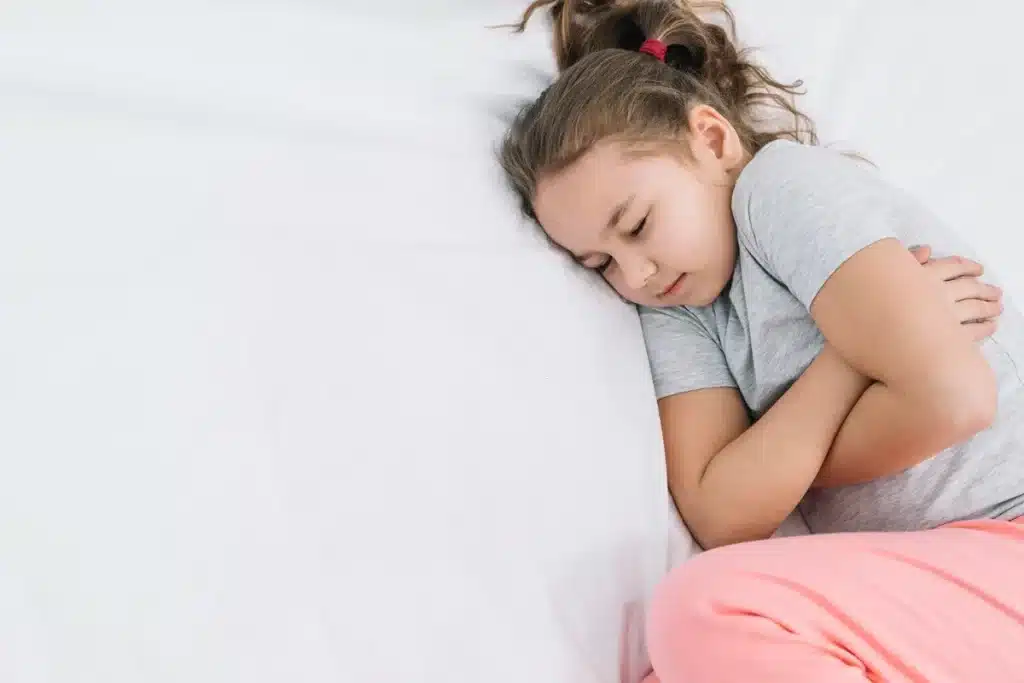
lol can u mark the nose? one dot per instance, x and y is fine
(637, 272)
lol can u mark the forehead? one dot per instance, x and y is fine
(576, 203)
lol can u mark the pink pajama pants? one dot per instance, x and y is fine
(939, 606)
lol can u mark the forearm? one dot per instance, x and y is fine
(756, 481)
(894, 324)
(887, 432)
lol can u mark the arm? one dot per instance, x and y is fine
(933, 388)
(829, 229)
(733, 482)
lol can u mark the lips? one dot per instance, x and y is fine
(674, 287)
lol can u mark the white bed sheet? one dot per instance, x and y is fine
(289, 393)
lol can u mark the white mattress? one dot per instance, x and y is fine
(288, 390)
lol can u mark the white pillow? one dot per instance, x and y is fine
(289, 390)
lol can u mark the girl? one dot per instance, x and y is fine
(802, 358)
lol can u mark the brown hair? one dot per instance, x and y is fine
(609, 90)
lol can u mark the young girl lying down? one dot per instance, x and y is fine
(804, 357)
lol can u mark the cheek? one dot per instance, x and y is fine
(673, 244)
(676, 229)
(690, 232)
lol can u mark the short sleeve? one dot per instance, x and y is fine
(804, 211)
(684, 354)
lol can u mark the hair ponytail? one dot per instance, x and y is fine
(760, 107)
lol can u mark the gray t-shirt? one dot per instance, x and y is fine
(801, 212)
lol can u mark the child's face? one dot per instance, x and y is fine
(685, 250)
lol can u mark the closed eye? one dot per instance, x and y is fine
(635, 232)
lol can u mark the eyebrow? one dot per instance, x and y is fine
(613, 222)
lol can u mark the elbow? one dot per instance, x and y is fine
(719, 540)
(721, 532)
(715, 518)
(975, 410)
(963, 399)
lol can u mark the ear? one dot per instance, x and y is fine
(712, 134)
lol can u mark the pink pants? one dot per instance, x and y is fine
(940, 606)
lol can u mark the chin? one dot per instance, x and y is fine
(701, 302)
(659, 303)
(699, 299)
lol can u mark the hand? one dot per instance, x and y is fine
(977, 305)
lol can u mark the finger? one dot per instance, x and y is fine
(976, 310)
(952, 267)
(922, 253)
(981, 331)
(971, 288)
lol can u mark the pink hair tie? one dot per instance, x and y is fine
(655, 48)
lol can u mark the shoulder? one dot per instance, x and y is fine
(790, 171)
(803, 211)
(793, 190)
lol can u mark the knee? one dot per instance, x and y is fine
(732, 575)
(690, 624)
(691, 587)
